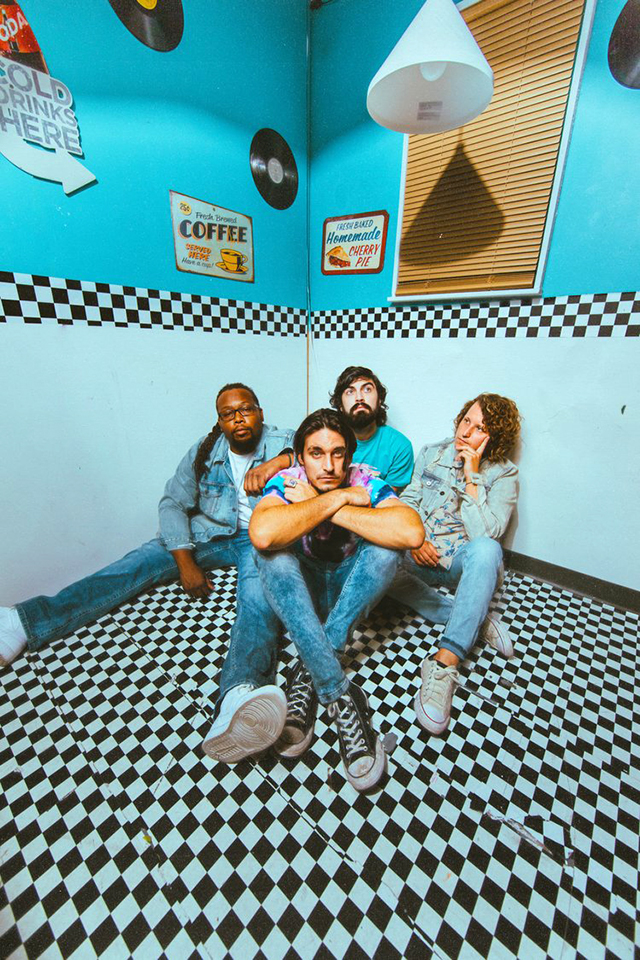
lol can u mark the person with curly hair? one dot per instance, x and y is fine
(465, 489)
(360, 396)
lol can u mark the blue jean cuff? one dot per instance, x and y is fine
(452, 647)
(341, 690)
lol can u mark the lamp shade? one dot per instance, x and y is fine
(436, 77)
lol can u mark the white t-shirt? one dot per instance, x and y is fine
(240, 463)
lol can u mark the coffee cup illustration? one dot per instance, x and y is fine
(233, 261)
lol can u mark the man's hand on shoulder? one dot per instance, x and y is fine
(426, 555)
(256, 478)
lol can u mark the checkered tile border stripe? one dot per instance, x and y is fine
(587, 315)
(27, 298)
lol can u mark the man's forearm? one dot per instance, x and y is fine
(398, 527)
(275, 528)
(184, 559)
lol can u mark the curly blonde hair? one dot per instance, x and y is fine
(502, 420)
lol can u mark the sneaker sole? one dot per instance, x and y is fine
(286, 749)
(499, 646)
(255, 726)
(376, 773)
(425, 721)
(497, 642)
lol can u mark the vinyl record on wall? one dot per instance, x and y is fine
(624, 46)
(274, 169)
(156, 23)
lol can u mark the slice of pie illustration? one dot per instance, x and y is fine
(338, 257)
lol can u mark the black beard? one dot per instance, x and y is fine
(361, 418)
(244, 446)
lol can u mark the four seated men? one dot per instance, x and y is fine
(326, 541)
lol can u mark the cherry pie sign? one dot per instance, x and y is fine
(355, 243)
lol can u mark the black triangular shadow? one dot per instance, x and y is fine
(432, 232)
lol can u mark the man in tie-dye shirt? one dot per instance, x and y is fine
(328, 536)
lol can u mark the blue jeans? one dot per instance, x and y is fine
(474, 573)
(49, 618)
(320, 603)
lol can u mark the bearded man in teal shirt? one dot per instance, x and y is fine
(360, 396)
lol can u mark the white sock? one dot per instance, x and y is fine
(13, 638)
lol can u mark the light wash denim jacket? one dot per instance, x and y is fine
(191, 513)
(434, 475)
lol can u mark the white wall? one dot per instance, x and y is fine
(93, 422)
(579, 457)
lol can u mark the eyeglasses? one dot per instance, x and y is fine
(245, 410)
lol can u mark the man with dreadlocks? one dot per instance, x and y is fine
(465, 490)
(204, 519)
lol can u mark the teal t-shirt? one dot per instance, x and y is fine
(388, 452)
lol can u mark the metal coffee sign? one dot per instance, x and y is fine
(211, 240)
(354, 243)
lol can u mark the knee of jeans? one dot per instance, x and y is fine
(276, 563)
(384, 558)
(485, 551)
(151, 548)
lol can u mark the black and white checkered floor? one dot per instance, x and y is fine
(514, 835)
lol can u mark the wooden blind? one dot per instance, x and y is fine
(476, 199)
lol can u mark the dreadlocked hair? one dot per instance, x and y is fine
(502, 420)
(207, 445)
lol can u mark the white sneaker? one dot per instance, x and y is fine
(433, 700)
(495, 633)
(13, 639)
(250, 720)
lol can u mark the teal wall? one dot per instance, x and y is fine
(151, 122)
(184, 120)
(356, 165)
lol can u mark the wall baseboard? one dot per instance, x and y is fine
(582, 583)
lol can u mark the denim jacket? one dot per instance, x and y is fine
(191, 513)
(435, 474)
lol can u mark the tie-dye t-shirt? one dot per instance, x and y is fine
(328, 541)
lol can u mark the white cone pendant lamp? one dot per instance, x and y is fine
(436, 78)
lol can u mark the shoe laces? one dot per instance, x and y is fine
(300, 695)
(350, 727)
(439, 685)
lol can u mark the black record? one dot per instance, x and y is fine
(274, 169)
(156, 23)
